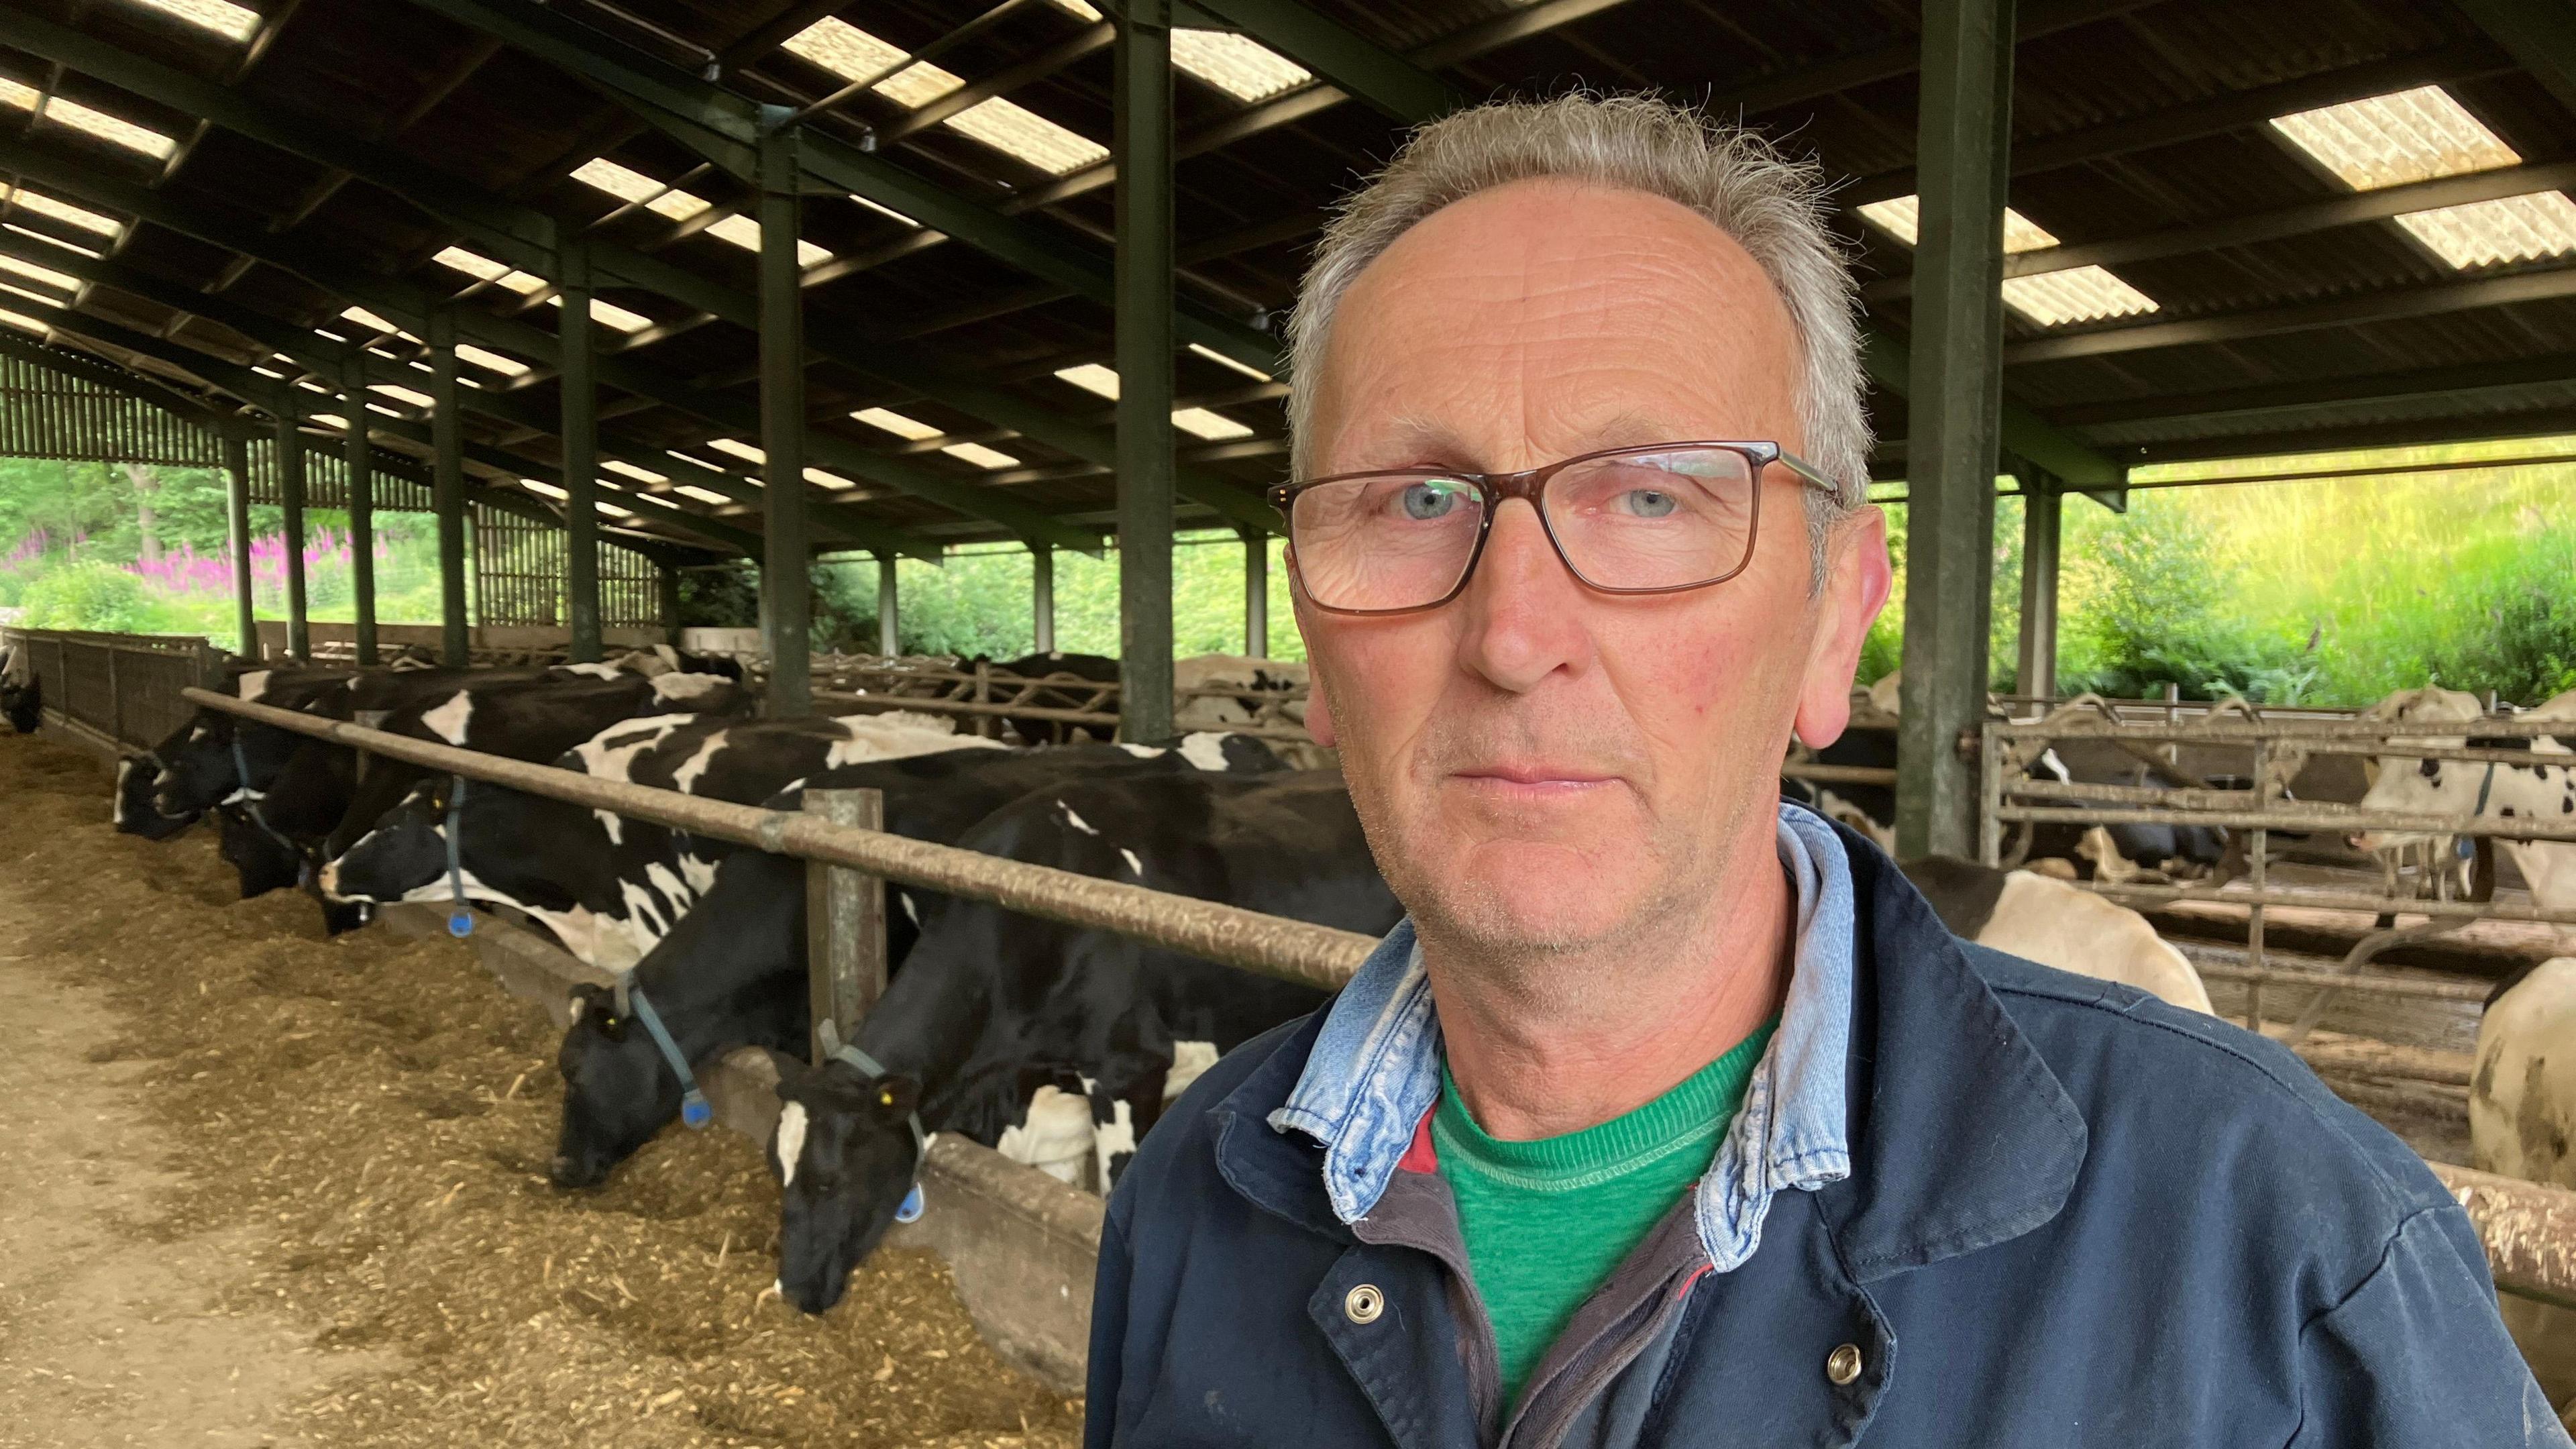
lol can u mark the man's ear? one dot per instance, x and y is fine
(1319, 704)
(1857, 582)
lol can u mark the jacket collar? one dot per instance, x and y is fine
(1958, 1134)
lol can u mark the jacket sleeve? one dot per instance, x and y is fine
(1108, 1338)
(2416, 1354)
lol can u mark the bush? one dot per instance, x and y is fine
(89, 595)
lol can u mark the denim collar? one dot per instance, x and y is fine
(1374, 1069)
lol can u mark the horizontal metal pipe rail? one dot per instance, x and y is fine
(2331, 901)
(2366, 985)
(2308, 819)
(1311, 955)
(1824, 774)
(2313, 735)
(2529, 1230)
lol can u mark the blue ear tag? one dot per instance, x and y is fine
(910, 1212)
(2466, 847)
(460, 925)
(694, 1110)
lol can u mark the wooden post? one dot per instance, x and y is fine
(1954, 412)
(845, 923)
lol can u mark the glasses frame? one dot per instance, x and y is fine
(1530, 486)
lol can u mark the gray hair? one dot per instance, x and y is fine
(1773, 207)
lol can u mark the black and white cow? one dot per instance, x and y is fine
(2043, 919)
(990, 1003)
(1094, 668)
(2522, 1123)
(22, 690)
(732, 973)
(2543, 790)
(606, 887)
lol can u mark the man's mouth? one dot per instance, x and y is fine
(1530, 779)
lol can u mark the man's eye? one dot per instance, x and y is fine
(1648, 503)
(1426, 501)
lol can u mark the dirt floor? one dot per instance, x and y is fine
(264, 1188)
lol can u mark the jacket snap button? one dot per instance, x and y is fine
(1843, 1364)
(1363, 1304)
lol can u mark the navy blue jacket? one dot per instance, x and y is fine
(2076, 1216)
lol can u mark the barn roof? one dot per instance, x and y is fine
(234, 198)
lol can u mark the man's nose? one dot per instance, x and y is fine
(1524, 609)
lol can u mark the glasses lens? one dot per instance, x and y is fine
(1389, 541)
(1654, 520)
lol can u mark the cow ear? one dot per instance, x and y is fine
(897, 1095)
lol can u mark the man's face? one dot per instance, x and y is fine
(1541, 766)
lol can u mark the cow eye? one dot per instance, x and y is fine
(2432, 769)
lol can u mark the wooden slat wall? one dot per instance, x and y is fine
(46, 414)
(519, 576)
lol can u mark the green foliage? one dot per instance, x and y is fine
(726, 596)
(90, 594)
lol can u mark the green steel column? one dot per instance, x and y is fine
(1143, 149)
(237, 527)
(889, 607)
(447, 443)
(1256, 593)
(362, 509)
(580, 454)
(290, 501)
(1955, 402)
(786, 575)
(2042, 514)
(1042, 594)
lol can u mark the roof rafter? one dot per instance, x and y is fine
(2387, 305)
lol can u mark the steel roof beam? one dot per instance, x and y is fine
(2216, 116)
(139, 386)
(1900, 57)
(2464, 382)
(2274, 224)
(321, 357)
(1889, 362)
(1354, 65)
(2383, 306)
(524, 237)
(2541, 34)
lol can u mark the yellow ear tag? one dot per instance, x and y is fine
(885, 1099)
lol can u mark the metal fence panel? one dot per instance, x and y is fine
(126, 688)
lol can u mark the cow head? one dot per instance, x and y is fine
(199, 769)
(264, 862)
(23, 700)
(618, 1091)
(136, 812)
(406, 850)
(846, 1158)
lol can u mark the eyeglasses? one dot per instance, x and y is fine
(1655, 519)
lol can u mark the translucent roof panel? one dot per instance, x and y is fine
(1902, 219)
(87, 120)
(413, 396)
(887, 419)
(980, 456)
(491, 361)
(2393, 139)
(374, 323)
(2492, 233)
(1092, 377)
(611, 314)
(63, 211)
(230, 21)
(636, 188)
(24, 322)
(32, 295)
(824, 478)
(547, 489)
(484, 269)
(886, 211)
(744, 232)
(1201, 423)
(1242, 68)
(640, 475)
(2078, 294)
(52, 240)
(703, 495)
(1221, 360)
(46, 275)
(1013, 129)
(739, 449)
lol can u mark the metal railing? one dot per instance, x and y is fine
(122, 689)
(2529, 1230)
(2259, 808)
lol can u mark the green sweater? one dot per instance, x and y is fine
(1547, 1221)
